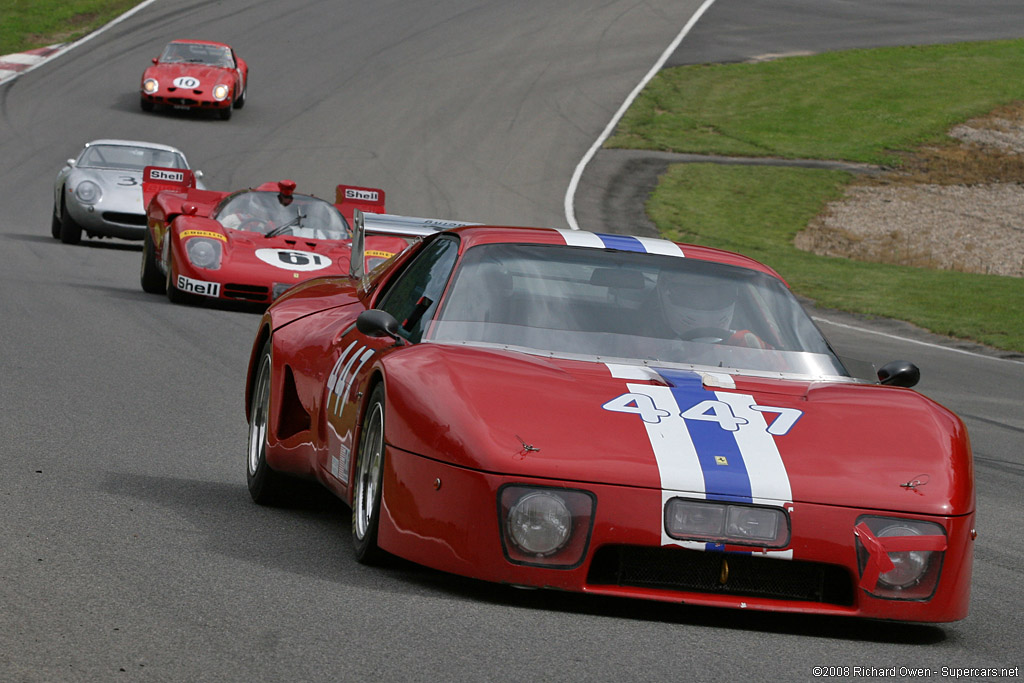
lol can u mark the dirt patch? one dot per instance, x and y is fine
(955, 207)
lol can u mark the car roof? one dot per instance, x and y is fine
(133, 143)
(200, 42)
(488, 234)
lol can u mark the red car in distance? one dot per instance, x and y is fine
(196, 74)
(250, 245)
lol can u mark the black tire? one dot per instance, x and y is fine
(175, 295)
(266, 486)
(225, 113)
(151, 279)
(240, 100)
(70, 231)
(145, 104)
(369, 475)
(55, 224)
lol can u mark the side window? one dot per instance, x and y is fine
(414, 296)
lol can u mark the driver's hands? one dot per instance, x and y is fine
(747, 339)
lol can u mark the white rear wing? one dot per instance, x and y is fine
(393, 224)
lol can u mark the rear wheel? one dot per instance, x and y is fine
(266, 486)
(151, 279)
(369, 476)
(70, 231)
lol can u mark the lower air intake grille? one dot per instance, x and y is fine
(125, 218)
(703, 572)
(246, 292)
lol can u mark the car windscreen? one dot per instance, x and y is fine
(123, 157)
(197, 53)
(628, 305)
(271, 214)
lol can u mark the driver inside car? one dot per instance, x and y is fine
(702, 308)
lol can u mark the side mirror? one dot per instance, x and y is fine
(71, 163)
(378, 323)
(156, 59)
(198, 174)
(899, 373)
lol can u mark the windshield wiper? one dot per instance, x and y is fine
(281, 228)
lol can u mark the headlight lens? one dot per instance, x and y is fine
(545, 526)
(899, 559)
(701, 520)
(220, 92)
(150, 86)
(88, 192)
(203, 252)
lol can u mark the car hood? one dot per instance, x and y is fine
(701, 434)
(208, 76)
(122, 188)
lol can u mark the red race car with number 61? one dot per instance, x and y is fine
(249, 245)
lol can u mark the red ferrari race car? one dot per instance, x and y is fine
(196, 74)
(250, 245)
(613, 415)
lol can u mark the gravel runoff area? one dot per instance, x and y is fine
(959, 207)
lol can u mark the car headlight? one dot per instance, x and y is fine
(203, 252)
(899, 559)
(220, 92)
(544, 526)
(150, 86)
(88, 192)
(701, 520)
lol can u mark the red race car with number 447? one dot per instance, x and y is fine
(249, 245)
(613, 415)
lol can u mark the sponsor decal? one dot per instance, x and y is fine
(187, 284)
(203, 233)
(165, 175)
(189, 82)
(293, 259)
(378, 253)
(718, 445)
(339, 383)
(362, 195)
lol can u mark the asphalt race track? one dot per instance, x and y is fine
(130, 548)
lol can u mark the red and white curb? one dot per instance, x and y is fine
(12, 65)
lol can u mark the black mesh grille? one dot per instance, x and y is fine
(704, 572)
(246, 292)
(125, 218)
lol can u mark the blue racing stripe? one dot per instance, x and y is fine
(725, 473)
(622, 242)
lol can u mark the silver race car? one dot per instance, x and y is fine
(100, 191)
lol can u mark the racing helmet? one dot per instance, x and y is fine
(692, 300)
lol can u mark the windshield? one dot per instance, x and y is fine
(271, 214)
(617, 304)
(125, 157)
(197, 53)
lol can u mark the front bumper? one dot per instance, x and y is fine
(108, 218)
(427, 505)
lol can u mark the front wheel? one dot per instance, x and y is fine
(266, 486)
(70, 231)
(150, 278)
(366, 499)
(55, 224)
(175, 295)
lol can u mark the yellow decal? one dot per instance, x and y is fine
(721, 460)
(379, 253)
(202, 233)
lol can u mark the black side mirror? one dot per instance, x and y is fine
(899, 373)
(377, 323)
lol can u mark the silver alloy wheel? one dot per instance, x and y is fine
(258, 420)
(369, 474)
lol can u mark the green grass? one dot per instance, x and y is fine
(857, 105)
(25, 24)
(860, 105)
(757, 211)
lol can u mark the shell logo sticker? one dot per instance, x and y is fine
(189, 82)
(203, 233)
(293, 259)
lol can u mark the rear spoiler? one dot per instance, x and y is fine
(158, 178)
(390, 224)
